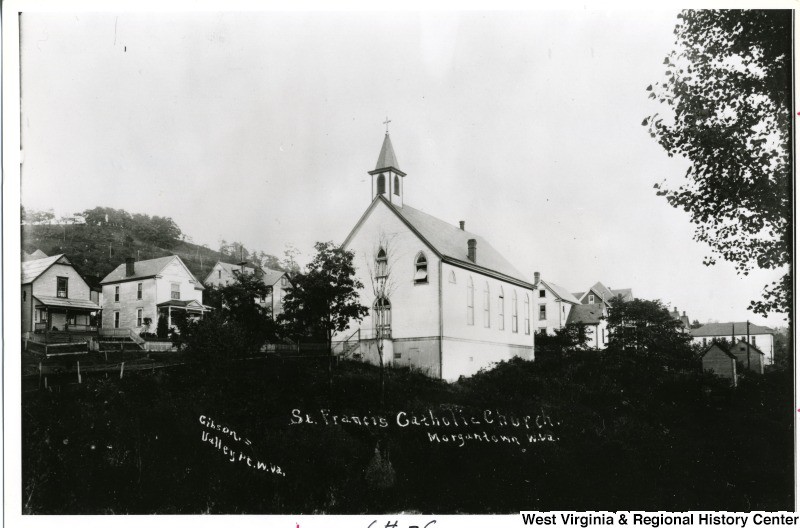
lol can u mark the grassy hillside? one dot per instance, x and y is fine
(626, 438)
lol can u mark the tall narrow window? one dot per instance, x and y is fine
(175, 291)
(501, 310)
(139, 291)
(138, 317)
(591, 299)
(470, 302)
(542, 312)
(421, 273)
(62, 287)
(527, 315)
(514, 309)
(116, 293)
(383, 317)
(116, 319)
(219, 274)
(397, 185)
(381, 184)
(381, 264)
(487, 321)
(452, 278)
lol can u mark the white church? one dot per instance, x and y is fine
(442, 299)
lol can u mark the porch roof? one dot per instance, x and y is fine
(61, 302)
(183, 305)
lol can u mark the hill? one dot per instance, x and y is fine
(102, 238)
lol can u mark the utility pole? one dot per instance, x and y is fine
(748, 344)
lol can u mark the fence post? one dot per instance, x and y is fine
(79, 372)
(40, 374)
(121, 369)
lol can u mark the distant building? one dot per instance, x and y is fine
(682, 318)
(55, 297)
(136, 294)
(760, 336)
(457, 305)
(552, 305)
(593, 318)
(720, 361)
(748, 356)
(224, 273)
(599, 293)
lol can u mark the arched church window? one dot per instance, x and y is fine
(381, 264)
(397, 185)
(487, 296)
(501, 310)
(452, 276)
(381, 184)
(527, 315)
(421, 269)
(514, 308)
(383, 317)
(470, 302)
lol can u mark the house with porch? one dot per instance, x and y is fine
(137, 294)
(56, 298)
(223, 273)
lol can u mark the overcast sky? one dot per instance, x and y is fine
(261, 127)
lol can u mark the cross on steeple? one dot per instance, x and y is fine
(387, 123)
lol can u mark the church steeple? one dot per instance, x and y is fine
(387, 178)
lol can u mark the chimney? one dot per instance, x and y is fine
(129, 267)
(472, 244)
(461, 224)
(536, 276)
(684, 313)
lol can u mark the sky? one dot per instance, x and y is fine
(261, 127)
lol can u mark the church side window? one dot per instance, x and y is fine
(501, 309)
(383, 317)
(381, 184)
(397, 186)
(452, 277)
(514, 308)
(421, 273)
(527, 315)
(470, 302)
(487, 316)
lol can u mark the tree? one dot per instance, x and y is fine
(645, 329)
(695, 324)
(380, 265)
(565, 341)
(324, 299)
(728, 87)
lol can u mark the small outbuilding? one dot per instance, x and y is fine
(749, 356)
(720, 361)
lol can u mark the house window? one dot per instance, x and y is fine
(487, 318)
(470, 302)
(381, 184)
(397, 186)
(514, 308)
(705, 341)
(72, 319)
(36, 316)
(752, 340)
(542, 312)
(527, 315)
(501, 310)
(381, 264)
(175, 291)
(116, 293)
(116, 319)
(421, 274)
(138, 317)
(383, 317)
(398, 355)
(591, 299)
(452, 277)
(62, 287)
(542, 293)
(219, 274)
(139, 291)
(24, 296)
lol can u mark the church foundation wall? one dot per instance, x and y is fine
(465, 357)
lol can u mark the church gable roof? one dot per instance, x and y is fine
(449, 242)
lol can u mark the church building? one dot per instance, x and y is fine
(442, 299)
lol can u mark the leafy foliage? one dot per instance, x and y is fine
(646, 329)
(324, 299)
(727, 85)
(563, 343)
